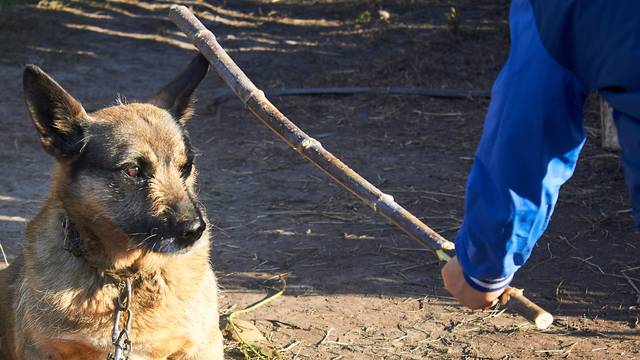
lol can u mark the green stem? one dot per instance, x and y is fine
(251, 308)
(443, 255)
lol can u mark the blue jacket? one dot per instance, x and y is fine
(533, 133)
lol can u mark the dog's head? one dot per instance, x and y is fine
(124, 174)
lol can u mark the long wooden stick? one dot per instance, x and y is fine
(312, 150)
(308, 147)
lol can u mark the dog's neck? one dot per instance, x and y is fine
(75, 245)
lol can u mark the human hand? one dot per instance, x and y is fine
(455, 283)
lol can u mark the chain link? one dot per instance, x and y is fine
(120, 338)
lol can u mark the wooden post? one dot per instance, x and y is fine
(609, 131)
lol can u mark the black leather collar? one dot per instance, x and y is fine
(73, 243)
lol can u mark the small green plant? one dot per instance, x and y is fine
(364, 18)
(453, 21)
(251, 351)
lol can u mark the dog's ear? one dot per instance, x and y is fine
(56, 115)
(177, 96)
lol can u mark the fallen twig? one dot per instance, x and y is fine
(568, 352)
(633, 285)
(324, 339)
(586, 261)
(4, 255)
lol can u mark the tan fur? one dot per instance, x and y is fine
(54, 305)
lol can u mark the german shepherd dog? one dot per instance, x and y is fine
(121, 211)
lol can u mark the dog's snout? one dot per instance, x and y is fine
(189, 231)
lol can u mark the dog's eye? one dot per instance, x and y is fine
(133, 171)
(186, 169)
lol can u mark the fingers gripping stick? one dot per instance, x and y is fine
(312, 150)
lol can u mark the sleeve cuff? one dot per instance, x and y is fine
(488, 285)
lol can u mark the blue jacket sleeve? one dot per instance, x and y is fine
(532, 137)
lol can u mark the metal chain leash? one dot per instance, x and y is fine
(120, 338)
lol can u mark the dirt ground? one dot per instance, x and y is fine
(357, 286)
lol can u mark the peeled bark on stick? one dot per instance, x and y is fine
(311, 149)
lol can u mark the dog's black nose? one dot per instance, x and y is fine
(189, 231)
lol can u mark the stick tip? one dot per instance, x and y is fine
(543, 321)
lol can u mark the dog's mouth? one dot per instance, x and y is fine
(176, 239)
